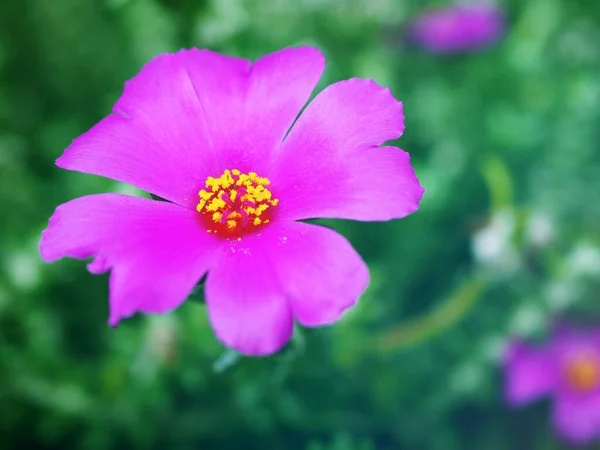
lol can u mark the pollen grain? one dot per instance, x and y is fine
(236, 202)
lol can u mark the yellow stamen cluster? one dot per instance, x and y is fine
(583, 373)
(236, 200)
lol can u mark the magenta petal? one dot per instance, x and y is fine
(345, 116)
(458, 28)
(161, 134)
(157, 251)
(193, 114)
(577, 418)
(322, 273)
(279, 86)
(330, 165)
(246, 303)
(289, 269)
(530, 373)
(371, 184)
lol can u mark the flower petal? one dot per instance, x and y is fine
(349, 114)
(458, 28)
(322, 273)
(193, 114)
(260, 282)
(246, 303)
(330, 165)
(577, 418)
(530, 373)
(279, 86)
(160, 135)
(372, 184)
(157, 251)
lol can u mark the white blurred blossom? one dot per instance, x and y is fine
(493, 246)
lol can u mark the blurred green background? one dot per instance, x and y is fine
(505, 141)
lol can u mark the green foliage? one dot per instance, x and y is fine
(505, 142)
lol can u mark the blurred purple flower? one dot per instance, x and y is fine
(567, 368)
(458, 28)
(211, 134)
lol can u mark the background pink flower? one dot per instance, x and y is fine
(211, 134)
(567, 368)
(458, 28)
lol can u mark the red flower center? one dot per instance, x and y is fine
(235, 203)
(583, 373)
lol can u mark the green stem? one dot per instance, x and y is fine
(499, 182)
(448, 314)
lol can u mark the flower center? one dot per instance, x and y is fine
(236, 202)
(583, 373)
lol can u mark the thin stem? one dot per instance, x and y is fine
(458, 305)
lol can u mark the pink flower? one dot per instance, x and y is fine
(458, 28)
(568, 369)
(211, 134)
